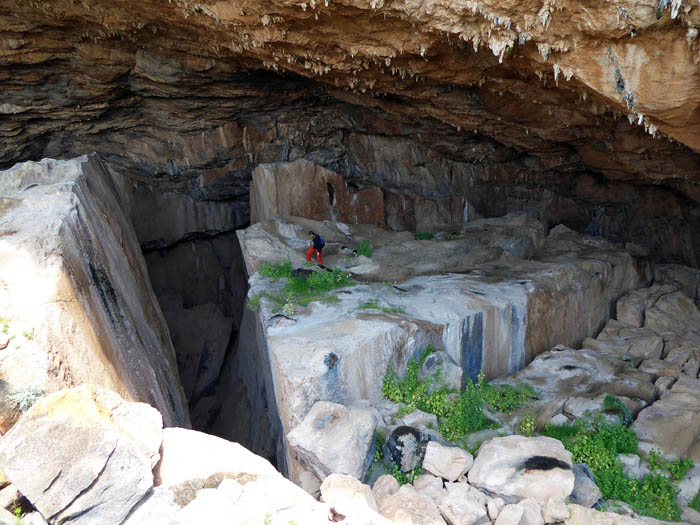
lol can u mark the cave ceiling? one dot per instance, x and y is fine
(194, 94)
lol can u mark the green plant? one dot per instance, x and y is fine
(374, 305)
(527, 426)
(597, 443)
(254, 302)
(276, 271)
(405, 478)
(365, 248)
(28, 335)
(615, 405)
(25, 397)
(17, 512)
(695, 502)
(505, 398)
(675, 470)
(423, 236)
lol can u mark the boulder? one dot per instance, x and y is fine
(447, 462)
(510, 515)
(555, 511)
(384, 487)
(421, 510)
(660, 367)
(675, 317)
(532, 514)
(343, 492)
(405, 447)
(494, 507)
(632, 305)
(517, 467)
(333, 438)
(673, 422)
(459, 509)
(586, 493)
(690, 516)
(349, 497)
(83, 455)
(429, 486)
(193, 461)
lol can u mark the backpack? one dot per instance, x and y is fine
(323, 243)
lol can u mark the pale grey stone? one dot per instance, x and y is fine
(510, 515)
(447, 462)
(334, 438)
(422, 510)
(517, 467)
(532, 514)
(384, 487)
(429, 486)
(586, 493)
(555, 511)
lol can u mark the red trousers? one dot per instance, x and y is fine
(310, 252)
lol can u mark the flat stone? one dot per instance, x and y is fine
(660, 368)
(460, 510)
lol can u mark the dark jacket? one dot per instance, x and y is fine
(318, 243)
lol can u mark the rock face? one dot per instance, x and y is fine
(491, 298)
(75, 291)
(83, 455)
(506, 107)
(303, 189)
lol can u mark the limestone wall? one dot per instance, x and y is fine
(75, 294)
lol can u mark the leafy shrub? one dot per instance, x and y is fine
(25, 397)
(458, 414)
(365, 248)
(695, 502)
(254, 302)
(527, 426)
(615, 405)
(275, 271)
(675, 470)
(423, 236)
(597, 444)
(505, 398)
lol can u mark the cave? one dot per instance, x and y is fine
(441, 116)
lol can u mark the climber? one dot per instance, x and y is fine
(317, 244)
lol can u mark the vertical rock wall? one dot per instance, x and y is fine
(75, 291)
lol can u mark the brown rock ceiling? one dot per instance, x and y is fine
(587, 111)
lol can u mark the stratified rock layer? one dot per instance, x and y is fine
(587, 113)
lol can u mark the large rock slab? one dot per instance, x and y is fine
(333, 438)
(194, 465)
(75, 290)
(517, 467)
(83, 455)
(620, 339)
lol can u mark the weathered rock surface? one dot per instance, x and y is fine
(472, 297)
(420, 509)
(586, 493)
(75, 289)
(83, 455)
(516, 467)
(447, 462)
(220, 477)
(334, 439)
(406, 447)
